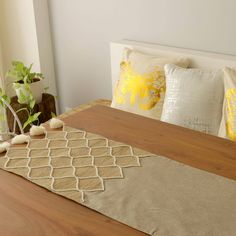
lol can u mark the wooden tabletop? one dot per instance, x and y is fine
(27, 209)
(193, 148)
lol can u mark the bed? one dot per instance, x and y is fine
(205, 160)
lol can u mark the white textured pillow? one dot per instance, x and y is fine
(193, 98)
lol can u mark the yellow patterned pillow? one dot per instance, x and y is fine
(141, 86)
(228, 123)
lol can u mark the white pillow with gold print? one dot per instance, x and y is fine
(141, 86)
(194, 98)
(228, 122)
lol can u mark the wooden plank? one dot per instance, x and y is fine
(27, 209)
(196, 149)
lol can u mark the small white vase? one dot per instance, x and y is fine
(36, 89)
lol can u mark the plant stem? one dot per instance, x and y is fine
(14, 114)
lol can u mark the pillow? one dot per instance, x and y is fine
(141, 86)
(193, 99)
(228, 123)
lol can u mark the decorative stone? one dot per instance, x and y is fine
(37, 130)
(56, 123)
(20, 139)
(4, 146)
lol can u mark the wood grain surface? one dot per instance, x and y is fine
(27, 209)
(196, 149)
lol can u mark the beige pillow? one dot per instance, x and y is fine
(194, 99)
(141, 86)
(228, 122)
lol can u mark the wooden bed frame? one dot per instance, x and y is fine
(27, 209)
(198, 59)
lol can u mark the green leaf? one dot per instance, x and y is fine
(46, 88)
(16, 85)
(2, 117)
(53, 115)
(30, 67)
(39, 75)
(4, 97)
(25, 79)
(28, 122)
(32, 103)
(36, 115)
(20, 72)
(27, 87)
(31, 119)
(1, 92)
(22, 99)
(18, 64)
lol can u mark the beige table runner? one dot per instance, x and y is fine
(148, 192)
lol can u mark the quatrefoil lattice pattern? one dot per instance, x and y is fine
(71, 162)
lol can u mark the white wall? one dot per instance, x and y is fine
(82, 30)
(25, 35)
(18, 33)
(1, 64)
(43, 32)
(3, 125)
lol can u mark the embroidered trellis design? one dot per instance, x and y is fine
(71, 162)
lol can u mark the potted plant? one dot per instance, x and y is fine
(29, 89)
(31, 117)
(27, 84)
(24, 110)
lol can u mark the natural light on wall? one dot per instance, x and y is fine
(26, 38)
(3, 125)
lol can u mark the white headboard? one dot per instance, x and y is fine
(198, 59)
